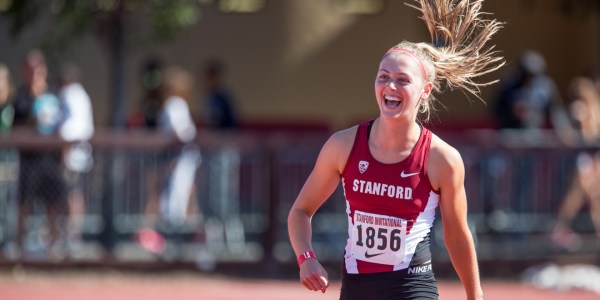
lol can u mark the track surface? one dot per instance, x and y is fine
(117, 286)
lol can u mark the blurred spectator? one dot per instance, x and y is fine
(528, 102)
(7, 111)
(584, 188)
(585, 111)
(77, 128)
(219, 111)
(146, 116)
(40, 176)
(151, 76)
(529, 99)
(175, 120)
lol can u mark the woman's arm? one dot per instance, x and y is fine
(318, 187)
(447, 173)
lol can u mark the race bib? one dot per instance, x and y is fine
(378, 238)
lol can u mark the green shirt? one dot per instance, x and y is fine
(7, 114)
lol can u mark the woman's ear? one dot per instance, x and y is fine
(427, 90)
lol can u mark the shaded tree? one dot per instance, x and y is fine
(117, 24)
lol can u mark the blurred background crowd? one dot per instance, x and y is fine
(181, 131)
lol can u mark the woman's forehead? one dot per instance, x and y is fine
(399, 63)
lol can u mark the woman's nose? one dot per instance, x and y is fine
(392, 84)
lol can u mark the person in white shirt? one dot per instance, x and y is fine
(78, 118)
(77, 127)
(174, 120)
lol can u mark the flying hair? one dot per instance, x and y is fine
(457, 54)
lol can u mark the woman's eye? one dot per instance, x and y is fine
(383, 77)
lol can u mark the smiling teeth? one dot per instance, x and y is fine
(392, 98)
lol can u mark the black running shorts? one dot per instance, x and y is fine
(389, 285)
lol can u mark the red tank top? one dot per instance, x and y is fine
(390, 207)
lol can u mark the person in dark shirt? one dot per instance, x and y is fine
(150, 78)
(40, 170)
(529, 100)
(219, 112)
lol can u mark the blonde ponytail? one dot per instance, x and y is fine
(457, 54)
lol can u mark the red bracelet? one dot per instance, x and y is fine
(304, 256)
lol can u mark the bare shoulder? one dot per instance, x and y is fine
(442, 153)
(338, 147)
(343, 138)
(444, 162)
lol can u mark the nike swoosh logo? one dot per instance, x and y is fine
(367, 255)
(404, 175)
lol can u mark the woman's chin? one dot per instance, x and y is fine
(391, 114)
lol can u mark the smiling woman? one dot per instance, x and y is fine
(395, 172)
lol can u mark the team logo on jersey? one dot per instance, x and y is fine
(362, 166)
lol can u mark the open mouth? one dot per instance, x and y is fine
(391, 101)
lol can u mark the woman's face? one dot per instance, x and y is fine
(400, 87)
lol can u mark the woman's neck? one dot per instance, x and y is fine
(394, 136)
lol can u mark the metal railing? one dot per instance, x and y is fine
(244, 186)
